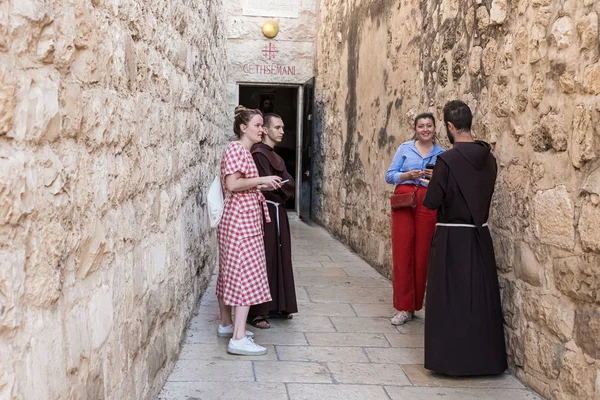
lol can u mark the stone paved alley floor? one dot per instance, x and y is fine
(340, 345)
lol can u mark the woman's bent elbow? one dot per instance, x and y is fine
(389, 178)
(229, 186)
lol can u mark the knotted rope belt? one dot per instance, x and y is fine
(459, 225)
(277, 211)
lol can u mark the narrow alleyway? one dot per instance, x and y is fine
(340, 345)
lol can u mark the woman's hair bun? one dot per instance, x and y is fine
(243, 116)
(239, 109)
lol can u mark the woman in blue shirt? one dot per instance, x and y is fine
(412, 228)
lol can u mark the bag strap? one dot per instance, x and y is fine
(401, 165)
(226, 194)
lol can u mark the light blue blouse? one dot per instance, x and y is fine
(408, 158)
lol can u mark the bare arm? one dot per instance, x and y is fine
(237, 183)
(411, 175)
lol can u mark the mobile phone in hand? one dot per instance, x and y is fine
(429, 166)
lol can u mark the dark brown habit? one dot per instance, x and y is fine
(464, 332)
(278, 245)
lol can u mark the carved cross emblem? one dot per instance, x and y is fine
(270, 51)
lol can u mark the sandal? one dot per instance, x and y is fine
(281, 314)
(258, 321)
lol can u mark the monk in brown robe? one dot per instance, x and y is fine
(278, 244)
(464, 332)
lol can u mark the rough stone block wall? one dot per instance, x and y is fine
(530, 70)
(111, 123)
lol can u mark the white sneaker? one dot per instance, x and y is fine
(245, 347)
(401, 317)
(227, 331)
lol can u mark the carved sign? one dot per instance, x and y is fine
(272, 8)
(269, 69)
(270, 53)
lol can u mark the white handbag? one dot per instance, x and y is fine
(215, 202)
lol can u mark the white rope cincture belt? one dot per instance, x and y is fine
(277, 211)
(459, 225)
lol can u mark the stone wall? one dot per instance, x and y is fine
(111, 123)
(530, 71)
(294, 48)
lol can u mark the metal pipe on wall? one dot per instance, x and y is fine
(299, 137)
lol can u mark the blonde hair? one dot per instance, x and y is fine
(243, 116)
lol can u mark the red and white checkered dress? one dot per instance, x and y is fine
(242, 277)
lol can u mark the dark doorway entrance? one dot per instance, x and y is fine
(282, 101)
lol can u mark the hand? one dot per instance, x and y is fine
(428, 173)
(425, 181)
(414, 174)
(272, 182)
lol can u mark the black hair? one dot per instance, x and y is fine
(424, 116)
(459, 114)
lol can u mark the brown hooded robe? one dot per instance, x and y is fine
(278, 245)
(464, 332)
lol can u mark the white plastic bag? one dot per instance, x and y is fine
(215, 202)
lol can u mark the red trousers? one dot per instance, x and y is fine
(412, 230)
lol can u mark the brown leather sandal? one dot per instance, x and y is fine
(259, 322)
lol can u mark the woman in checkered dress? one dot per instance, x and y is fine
(242, 280)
